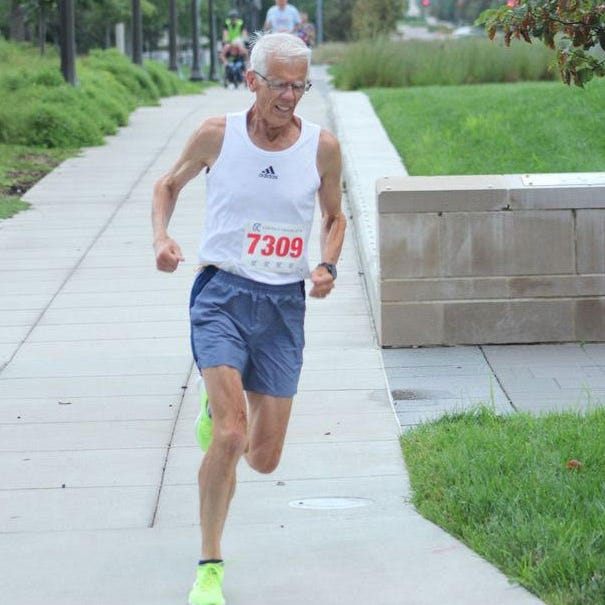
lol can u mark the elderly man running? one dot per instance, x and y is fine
(263, 168)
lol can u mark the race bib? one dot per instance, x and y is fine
(274, 247)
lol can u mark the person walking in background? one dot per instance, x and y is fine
(306, 30)
(283, 17)
(263, 167)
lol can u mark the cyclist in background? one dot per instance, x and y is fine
(234, 28)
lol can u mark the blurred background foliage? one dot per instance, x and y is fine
(343, 20)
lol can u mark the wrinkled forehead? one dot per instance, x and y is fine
(287, 69)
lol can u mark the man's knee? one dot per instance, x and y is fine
(231, 441)
(264, 460)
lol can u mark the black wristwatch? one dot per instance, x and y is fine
(331, 269)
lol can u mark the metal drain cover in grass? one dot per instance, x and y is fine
(330, 503)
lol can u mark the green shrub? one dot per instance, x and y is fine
(52, 117)
(102, 88)
(75, 100)
(372, 18)
(165, 81)
(132, 77)
(13, 80)
(50, 126)
(47, 76)
(38, 108)
(10, 118)
(38, 75)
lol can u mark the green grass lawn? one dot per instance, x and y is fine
(505, 487)
(495, 128)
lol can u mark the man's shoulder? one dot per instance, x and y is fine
(213, 126)
(328, 141)
(210, 133)
(328, 152)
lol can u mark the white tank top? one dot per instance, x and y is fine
(260, 206)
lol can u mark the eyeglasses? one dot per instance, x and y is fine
(298, 88)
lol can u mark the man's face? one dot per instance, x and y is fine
(277, 106)
(281, 3)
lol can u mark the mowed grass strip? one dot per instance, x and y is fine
(495, 128)
(527, 493)
(20, 168)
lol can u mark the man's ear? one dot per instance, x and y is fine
(251, 81)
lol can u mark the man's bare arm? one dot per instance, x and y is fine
(333, 220)
(200, 152)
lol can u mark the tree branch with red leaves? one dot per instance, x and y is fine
(574, 28)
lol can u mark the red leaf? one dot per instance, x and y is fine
(574, 464)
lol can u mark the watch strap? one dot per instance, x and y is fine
(331, 269)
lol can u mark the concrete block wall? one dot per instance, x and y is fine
(491, 259)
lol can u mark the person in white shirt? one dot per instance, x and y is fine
(283, 17)
(266, 171)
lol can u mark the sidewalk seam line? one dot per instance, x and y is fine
(156, 505)
(495, 374)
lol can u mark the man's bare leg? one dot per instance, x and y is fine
(217, 475)
(268, 423)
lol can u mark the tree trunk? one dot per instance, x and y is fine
(17, 27)
(42, 28)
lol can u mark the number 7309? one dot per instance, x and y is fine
(268, 245)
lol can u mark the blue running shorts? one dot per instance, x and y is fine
(254, 327)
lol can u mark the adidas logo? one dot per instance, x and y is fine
(268, 173)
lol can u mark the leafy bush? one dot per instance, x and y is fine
(42, 117)
(132, 77)
(104, 90)
(60, 116)
(372, 18)
(38, 108)
(76, 101)
(387, 63)
(165, 81)
(50, 126)
(47, 76)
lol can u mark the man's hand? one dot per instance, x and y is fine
(168, 254)
(323, 282)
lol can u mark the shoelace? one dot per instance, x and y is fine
(210, 579)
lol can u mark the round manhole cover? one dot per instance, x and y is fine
(330, 503)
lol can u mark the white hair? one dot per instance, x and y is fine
(279, 46)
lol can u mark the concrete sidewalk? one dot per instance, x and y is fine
(99, 500)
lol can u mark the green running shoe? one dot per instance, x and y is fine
(208, 586)
(203, 423)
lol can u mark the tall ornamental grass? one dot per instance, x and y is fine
(473, 60)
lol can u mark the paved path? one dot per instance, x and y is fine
(98, 502)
